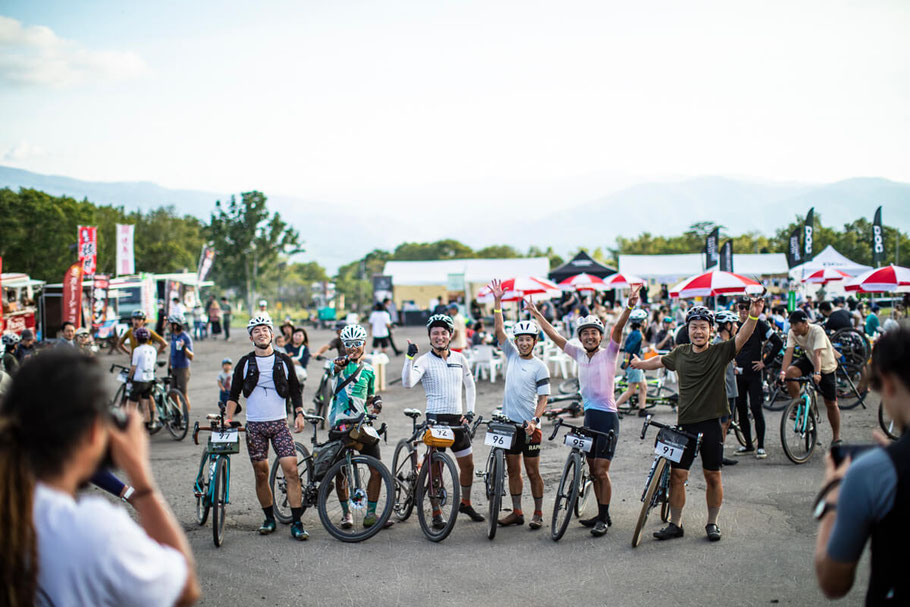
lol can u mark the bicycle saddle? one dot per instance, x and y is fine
(412, 413)
(313, 418)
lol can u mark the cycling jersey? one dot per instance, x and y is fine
(144, 358)
(595, 374)
(526, 379)
(443, 380)
(264, 403)
(133, 342)
(351, 401)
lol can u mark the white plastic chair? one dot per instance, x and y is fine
(486, 362)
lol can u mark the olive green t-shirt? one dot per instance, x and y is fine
(702, 389)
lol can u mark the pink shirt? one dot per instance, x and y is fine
(596, 374)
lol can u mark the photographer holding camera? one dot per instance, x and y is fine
(60, 548)
(871, 497)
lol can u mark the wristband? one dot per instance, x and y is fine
(630, 307)
(409, 357)
(497, 310)
(128, 494)
(753, 317)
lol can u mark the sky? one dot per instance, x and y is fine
(476, 105)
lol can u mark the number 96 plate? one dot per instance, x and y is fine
(503, 441)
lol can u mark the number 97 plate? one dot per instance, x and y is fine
(576, 441)
(231, 436)
(671, 451)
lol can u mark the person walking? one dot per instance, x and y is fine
(226, 311)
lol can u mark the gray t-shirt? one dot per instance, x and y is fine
(866, 495)
(526, 379)
(730, 377)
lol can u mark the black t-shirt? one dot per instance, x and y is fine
(838, 319)
(751, 351)
(682, 335)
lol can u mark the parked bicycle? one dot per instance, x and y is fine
(799, 422)
(324, 392)
(572, 406)
(669, 446)
(212, 488)
(170, 403)
(888, 425)
(576, 485)
(336, 479)
(500, 436)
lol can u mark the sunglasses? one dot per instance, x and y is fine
(742, 307)
(353, 344)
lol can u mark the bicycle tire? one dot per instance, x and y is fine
(404, 474)
(737, 427)
(178, 414)
(585, 491)
(648, 501)
(788, 429)
(566, 494)
(219, 501)
(495, 501)
(202, 501)
(887, 425)
(278, 483)
(568, 386)
(153, 402)
(119, 399)
(328, 484)
(844, 390)
(453, 496)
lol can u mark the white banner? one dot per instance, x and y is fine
(126, 263)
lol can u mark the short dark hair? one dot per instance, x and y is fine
(825, 306)
(798, 316)
(891, 356)
(66, 324)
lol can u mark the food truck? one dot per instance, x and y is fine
(20, 310)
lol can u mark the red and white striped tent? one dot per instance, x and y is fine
(622, 280)
(515, 289)
(881, 280)
(583, 282)
(711, 283)
(827, 275)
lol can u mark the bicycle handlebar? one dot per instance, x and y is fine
(610, 436)
(116, 366)
(650, 422)
(197, 429)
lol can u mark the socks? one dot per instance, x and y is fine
(466, 495)
(371, 507)
(344, 507)
(538, 505)
(603, 511)
(296, 513)
(516, 503)
(269, 512)
(712, 515)
(676, 516)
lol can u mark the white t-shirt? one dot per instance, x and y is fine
(144, 358)
(379, 321)
(264, 403)
(526, 379)
(90, 552)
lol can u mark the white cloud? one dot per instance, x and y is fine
(36, 56)
(22, 151)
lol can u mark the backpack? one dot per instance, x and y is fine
(325, 456)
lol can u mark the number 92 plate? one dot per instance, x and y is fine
(577, 441)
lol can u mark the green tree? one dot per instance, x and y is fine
(248, 241)
(425, 251)
(497, 251)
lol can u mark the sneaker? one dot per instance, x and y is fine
(599, 529)
(713, 532)
(837, 442)
(370, 519)
(642, 413)
(728, 462)
(669, 532)
(472, 514)
(267, 526)
(761, 454)
(588, 522)
(298, 532)
(536, 522)
(512, 519)
(439, 522)
(347, 521)
(744, 451)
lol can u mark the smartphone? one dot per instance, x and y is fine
(755, 291)
(840, 452)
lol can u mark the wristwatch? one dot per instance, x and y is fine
(298, 411)
(536, 421)
(823, 508)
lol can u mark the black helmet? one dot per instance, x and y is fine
(441, 320)
(699, 313)
(138, 314)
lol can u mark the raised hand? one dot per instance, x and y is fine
(633, 297)
(530, 307)
(496, 288)
(412, 349)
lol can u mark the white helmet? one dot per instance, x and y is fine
(638, 315)
(176, 319)
(258, 321)
(590, 321)
(353, 333)
(263, 303)
(10, 339)
(526, 327)
(725, 316)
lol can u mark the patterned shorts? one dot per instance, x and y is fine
(258, 435)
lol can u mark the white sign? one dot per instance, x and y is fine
(121, 377)
(231, 436)
(576, 441)
(502, 441)
(442, 433)
(126, 263)
(670, 451)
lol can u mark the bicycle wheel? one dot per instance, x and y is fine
(848, 380)
(889, 427)
(568, 386)
(119, 397)
(178, 414)
(776, 398)
(497, 461)
(737, 426)
(438, 493)
(663, 494)
(585, 492)
(219, 500)
(648, 501)
(156, 401)
(566, 496)
(404, 474)
(351, 478)
(201, 489)
(798, 430)
(279, 483)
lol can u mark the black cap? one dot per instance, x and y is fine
(743, 299)
(798, 316)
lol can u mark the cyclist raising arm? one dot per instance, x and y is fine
(701, 368)
(596, 371)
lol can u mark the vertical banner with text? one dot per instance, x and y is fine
(126, 263)
(808, 234)
(205, 264)
(712, 258)
(88, 249)
(72, 295)
(726, 257)
(794, 249)
(878, 239)
(99, 300)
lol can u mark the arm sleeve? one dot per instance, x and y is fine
(470, 390)
(237, 380)
(543, 381)
(669, 360)
(411, 373)
(508, 348)
(304, 355)
(776, 344)
(866, 496)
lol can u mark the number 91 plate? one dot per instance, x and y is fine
(576, 441)
(670, 451)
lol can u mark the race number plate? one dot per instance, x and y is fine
(225, 437)
(671, 451)
(582, 443)
(502, 441)
(442, 433)
(121, 377)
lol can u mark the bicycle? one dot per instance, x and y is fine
(430, 483)
(324, 392)
(500, 435)
(888, 425)
(212, 487)
(576, 482)
(173, 411)
(123, 392)
(799, 422)
(669, 446)
(573, 407)
(335, 464)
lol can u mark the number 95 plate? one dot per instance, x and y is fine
(582, 443)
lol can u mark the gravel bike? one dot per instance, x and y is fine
(501, 434)
(576, 485)
(799, 422)
(324, 392)
(334, 480)
(170, 403)
(669, 446)
(212, 487)
(572, 407)
(888, 425)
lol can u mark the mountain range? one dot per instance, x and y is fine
(336, 234)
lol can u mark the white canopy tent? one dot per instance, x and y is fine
(828, 258)
(672, 268)
(416, 273)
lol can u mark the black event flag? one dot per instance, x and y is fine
(711, 255)
(726, 257)
(794, 250)
(878, 239)
(808, 233)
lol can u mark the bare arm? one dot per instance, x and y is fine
(551, 332)
(651, 364)
(788, 358)
(616, 334)
(498, 325)
(834, 577)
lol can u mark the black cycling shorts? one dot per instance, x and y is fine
(828, 384)
(141, 390)
(712, 445)
(380, 342)
(522, 444)
(462, 445)
(602, 421)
